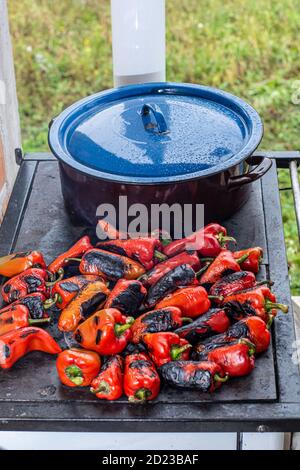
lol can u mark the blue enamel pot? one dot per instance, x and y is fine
(158, 143)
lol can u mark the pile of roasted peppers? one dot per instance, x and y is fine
(189, 313)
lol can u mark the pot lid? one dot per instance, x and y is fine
(156, 132)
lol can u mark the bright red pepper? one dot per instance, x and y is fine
(36, 303)
(141, 380)
(224, 264)
(165, 347)
(77, 368)
(252, 328)
(205, 376)
(208, 241)
(80, 247)
(165, 319)
(210, 323)
(236, 358)
(232, 283)
(259, 301)
(143, 250)
(109, 383)
(152, 277)
(253, 261)
(65, 290)
(106, 332)
(192, 301)
(29, 281)
(180, 276)
(91, 296)
(15, 344)
(16, 263)
(127, 296)
(17, 316)
(109, 265)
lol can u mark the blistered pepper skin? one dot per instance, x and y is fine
(165, 319)
(141, 380)
(204, 376)
(109, 265)
(108, 385)
(213, 322)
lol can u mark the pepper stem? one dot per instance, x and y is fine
(270, 305)
(251, 346)
(242, 258)
(270, 321)
(140, 395)
(78, 260)
(38, 321)
(176, 352)
(186, 320)
(218, 378)
(159, 255)
(216, 297)
(74, 373)
(120, 328)
(223, 239)
(206, 260)
(50, 302)
(61, 274)
(103, 387)
(202, 270)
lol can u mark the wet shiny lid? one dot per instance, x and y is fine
(156, 132)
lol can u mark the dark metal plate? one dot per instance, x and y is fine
(31, 396)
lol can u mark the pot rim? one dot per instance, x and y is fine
(64, 157)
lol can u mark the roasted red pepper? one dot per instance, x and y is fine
(224, 264)
(16, 263)
(126, 296)
(152, 277)
(91, 296)
(77, 368)
(203, 376)
(15, 344)
(192, 301)
(253, 261)
(165, 347)
(104, 227)
(143, 250)
(36, 303)
(29, 281)
(80, 247)
(17, 316)
(180, 276)
(232, 283)
(109, 383)
(141, 380)
(259, 301)
(109, 265)
(208, 241)
(165, 319)
(106, 332)
(252, 328)
(64, 291)
(210, 323)
(235, 358)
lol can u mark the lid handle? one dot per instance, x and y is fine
(157, 127)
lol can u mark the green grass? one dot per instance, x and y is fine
(63, 52)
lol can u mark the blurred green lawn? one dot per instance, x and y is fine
(251, 48)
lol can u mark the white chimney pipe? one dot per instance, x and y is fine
(138, 33)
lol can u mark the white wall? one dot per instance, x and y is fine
(9, 116)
